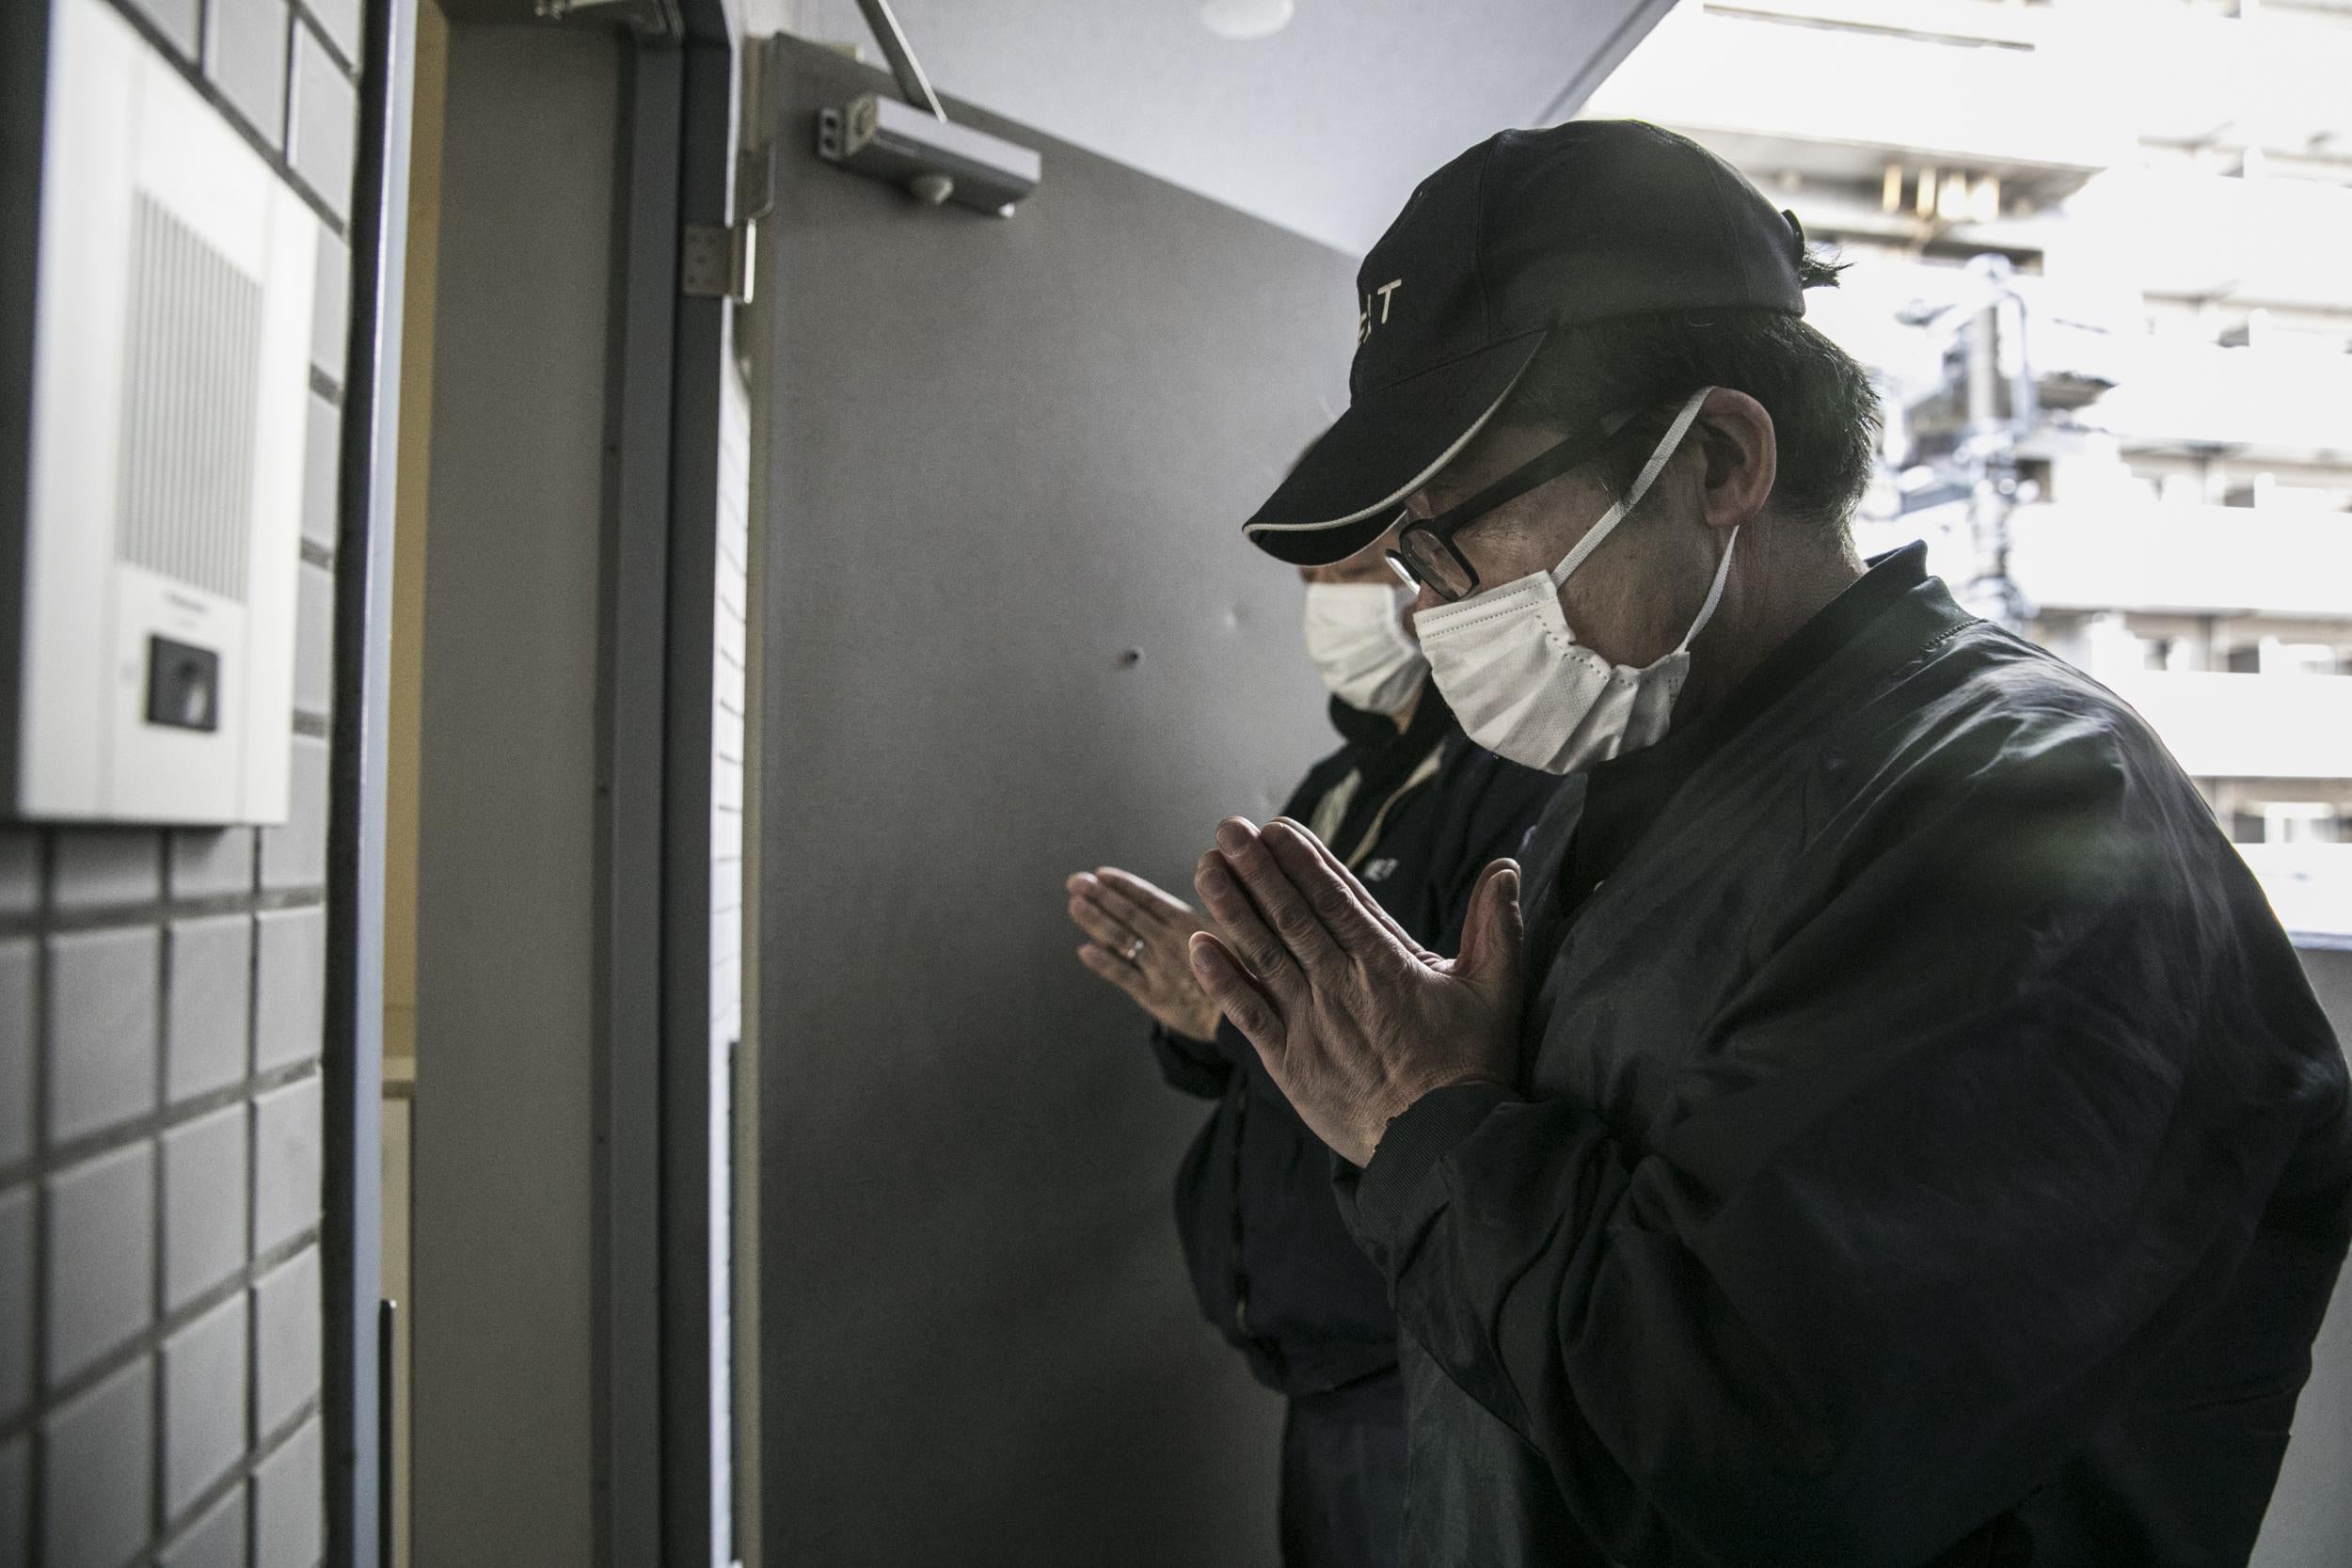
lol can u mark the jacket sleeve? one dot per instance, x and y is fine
(1980, 1128)
(1193, 1066)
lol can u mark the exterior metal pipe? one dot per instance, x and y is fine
(1991, 445)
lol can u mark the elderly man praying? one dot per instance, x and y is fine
(1882, 1122)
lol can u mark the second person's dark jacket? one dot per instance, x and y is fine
(1273, 1266)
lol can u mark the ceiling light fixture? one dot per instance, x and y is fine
(1246, 19)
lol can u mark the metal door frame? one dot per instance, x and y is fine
(652, 1210)
(653, 1087)
(351, 1240)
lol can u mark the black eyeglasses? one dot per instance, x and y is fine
(1425, 551)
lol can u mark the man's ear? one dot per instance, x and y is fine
(1735, 434)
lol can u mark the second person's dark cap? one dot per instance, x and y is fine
(1527, 231)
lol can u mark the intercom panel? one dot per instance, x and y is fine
(155, 664)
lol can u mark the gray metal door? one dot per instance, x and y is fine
(1009, 628)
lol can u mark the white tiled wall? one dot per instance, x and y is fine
(16, 1303)
(96, 1473)
(100, 1261)
(286, 1338)
(205, 1370)
(321, 119)
(161, 994)
(245, 55)
(285, 1503)
(208, 1018)
(100, 989)
(205, 1202)
(214, 1541)
(174, 20)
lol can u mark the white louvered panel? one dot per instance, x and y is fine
(191, 370)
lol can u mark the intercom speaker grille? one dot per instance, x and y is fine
(191, 394)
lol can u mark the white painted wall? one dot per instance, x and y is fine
(1324, 128)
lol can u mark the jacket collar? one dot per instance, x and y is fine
(1382, 754)
(1850, 623)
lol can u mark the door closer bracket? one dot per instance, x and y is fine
(915, 145)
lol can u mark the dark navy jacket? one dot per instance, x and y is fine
(1927, 1149)
(1273, 1268)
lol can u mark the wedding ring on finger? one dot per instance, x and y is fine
(1133, 952)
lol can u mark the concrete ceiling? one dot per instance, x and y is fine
(1324, 128)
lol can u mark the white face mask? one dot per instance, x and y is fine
(1521, 683)
(1356, 635)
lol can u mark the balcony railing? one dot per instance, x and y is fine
(2309, 887)
(2272, 79)
(2221, 726)
(2290, 402)
(2199, 235)
(2197, 560)
(1991, 89)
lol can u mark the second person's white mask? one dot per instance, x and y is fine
(1356, 635)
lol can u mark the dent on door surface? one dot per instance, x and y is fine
(1008, 629)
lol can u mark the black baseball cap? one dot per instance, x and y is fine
(1527, 231)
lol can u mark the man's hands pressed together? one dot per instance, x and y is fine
(1354, 1020)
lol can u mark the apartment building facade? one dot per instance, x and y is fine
(2147, 203)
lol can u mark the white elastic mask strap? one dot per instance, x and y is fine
(1599, 531)
(1714, 594)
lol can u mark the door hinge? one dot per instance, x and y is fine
(715, 262)
(715, 259)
